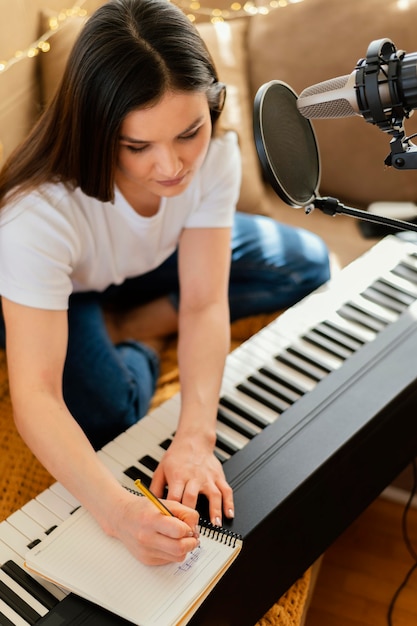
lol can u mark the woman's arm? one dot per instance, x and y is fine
(36, 348)
(189, 467)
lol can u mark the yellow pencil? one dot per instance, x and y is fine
(152, 497)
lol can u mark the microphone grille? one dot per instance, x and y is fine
(324, 110)
(313, 104)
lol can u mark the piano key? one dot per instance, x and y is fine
(267, 415)
(377, 310)
(322, 341)
(40, 514)
(9, 616)
(55, 503)
(29, 584)
(237, 422)
(26, 525)
(243, 410)
(264, 397)
(281, 384)
(39, 609)
(63, 493)
(258, 356)
(374, 294)
(351, 328)
(405, 271)
(15, 539)
(125, 457)
(352, 313)
(316, 355)
(271, 386)
(329, 330)
(400, 283)
(301, 365)
(8, 554)
(236, 440)
(390, 288)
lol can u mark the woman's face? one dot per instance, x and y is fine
(162, 147)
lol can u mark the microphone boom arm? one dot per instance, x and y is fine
(332, 206)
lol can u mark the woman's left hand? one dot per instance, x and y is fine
(189, 468)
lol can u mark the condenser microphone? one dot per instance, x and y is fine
(289, 155)
(382, 88)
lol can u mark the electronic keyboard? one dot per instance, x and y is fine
(316, 417)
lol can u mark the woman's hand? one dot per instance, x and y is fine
(152, 537)
(189, 468)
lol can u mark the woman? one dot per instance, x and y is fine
(122, 198)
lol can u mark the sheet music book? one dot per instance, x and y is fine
(80, 557)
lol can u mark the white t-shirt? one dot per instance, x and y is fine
(54, 241)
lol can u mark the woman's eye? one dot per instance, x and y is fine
(191, 135)
(136, 149)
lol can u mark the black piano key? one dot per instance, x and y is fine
(346, 338)
(33, 543)
(30, 585)
(235, 406)
(227, 446)
(395, 291)
(136, 474)
(268, 384)
(240, 426)
(405, 271)
(149, 462)
(373, 294)
(221, 457)
(351, 311)
(300, 365)
(20, 607)
(328, 344)
(263, 397)
(166, 443)
(311, 360)
(292, 390)
(4, 621)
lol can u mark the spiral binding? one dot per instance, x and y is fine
(224, 535)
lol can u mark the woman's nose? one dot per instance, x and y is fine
(169, 162)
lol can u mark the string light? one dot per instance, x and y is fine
(42, 44)
(191, 8)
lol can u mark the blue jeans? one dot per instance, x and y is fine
(108, 388)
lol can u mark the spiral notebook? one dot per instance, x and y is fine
(80, 557)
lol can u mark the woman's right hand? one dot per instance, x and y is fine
(152, 537)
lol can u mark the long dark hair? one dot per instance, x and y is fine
(127, 56)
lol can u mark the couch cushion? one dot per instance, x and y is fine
(315, 40)
(227, 44)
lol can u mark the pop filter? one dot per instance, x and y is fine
(287, 149)
(286, 144)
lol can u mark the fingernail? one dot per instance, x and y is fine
(231, 513)
(218, 521)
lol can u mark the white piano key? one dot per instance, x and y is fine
(63, 493)
(8, 554)
(12, 615)
(230, 435)
(26, 525)
(350, 326)
(14, 538)
(41, 514)
(124, 456)
(267, 415)
(23, 594)
(318, 354)
(55, 503)
(375, 309)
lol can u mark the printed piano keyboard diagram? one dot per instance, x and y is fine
(316, 417)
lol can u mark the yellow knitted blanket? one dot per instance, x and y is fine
(22, 477)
